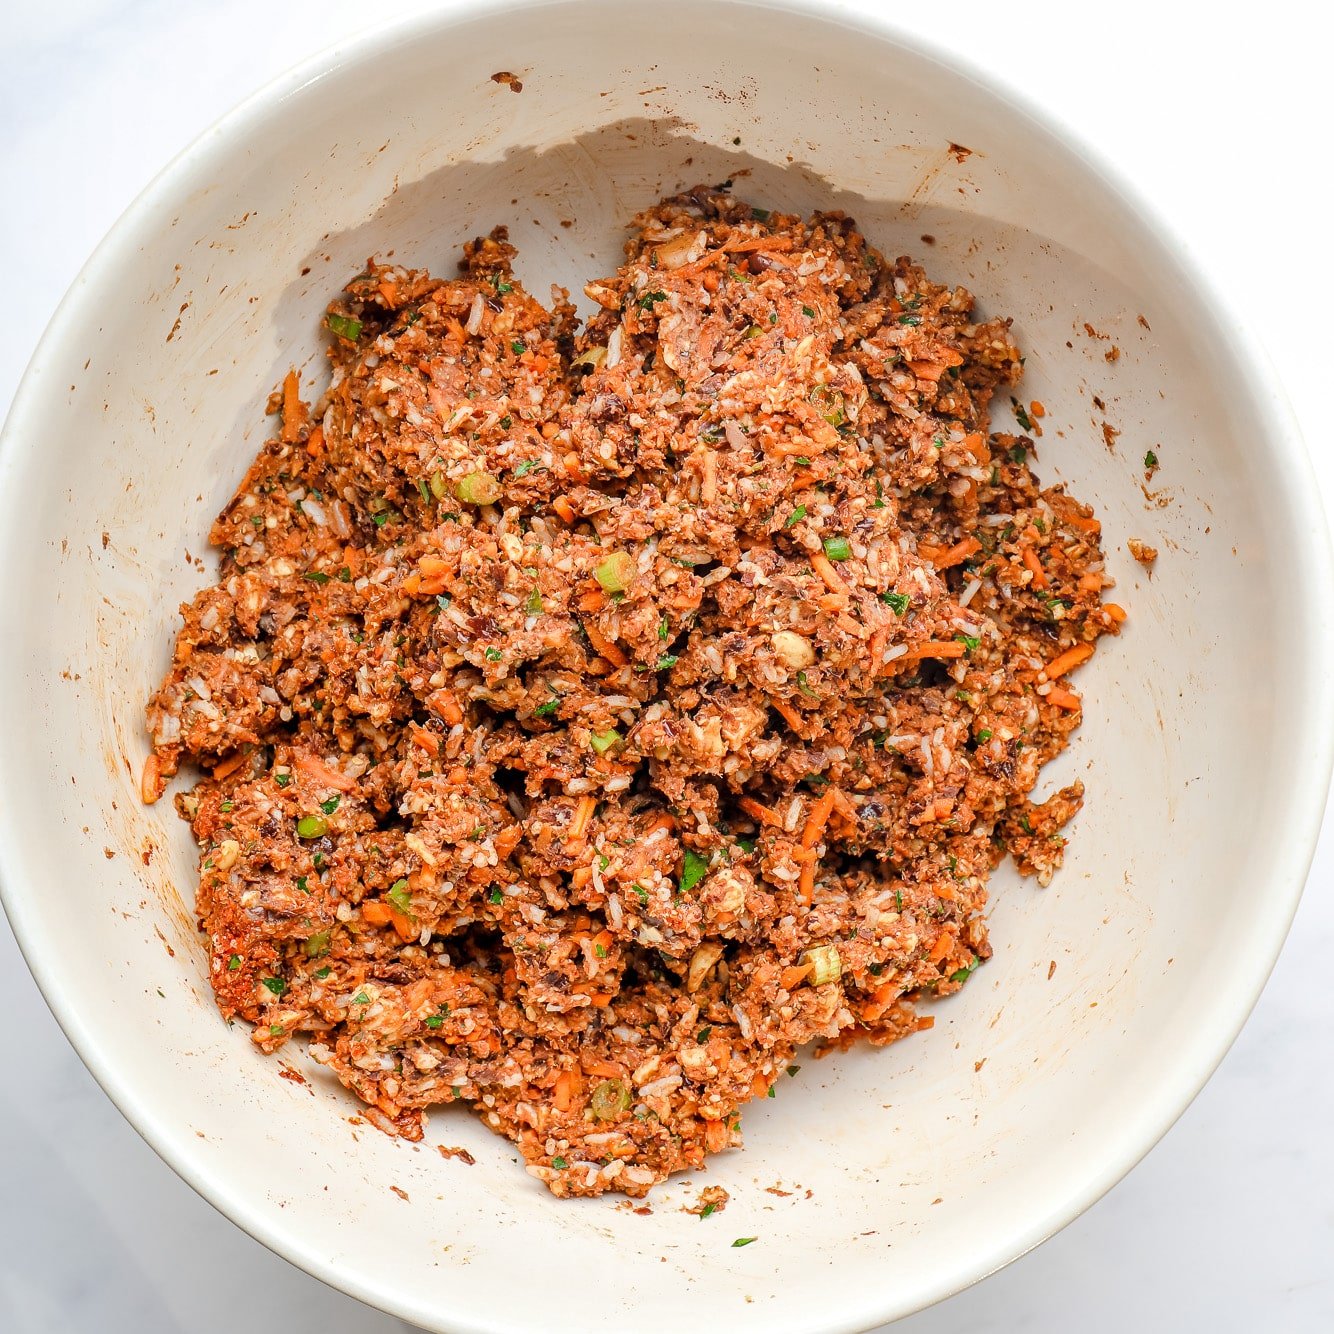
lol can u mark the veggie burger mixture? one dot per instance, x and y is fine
(592, 715)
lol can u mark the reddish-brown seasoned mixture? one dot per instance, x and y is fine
(591, 717)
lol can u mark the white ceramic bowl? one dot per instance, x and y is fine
(1205, 749)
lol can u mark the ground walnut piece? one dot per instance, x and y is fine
(592, 716)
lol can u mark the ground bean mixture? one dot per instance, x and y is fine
(592, 715)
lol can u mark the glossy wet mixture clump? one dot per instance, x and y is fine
(591, 716)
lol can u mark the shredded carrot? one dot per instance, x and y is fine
(1115, 611)
(603, 938)
(945, 942)
(758, 811)
(790, 715)
(1083, 525)
(376, 912)
(583, 813)
(425, 739)
(976, 445)
(759, 1086)
(1063, 698)
(818, 816)
(930, 371)
(227, 767)
(315, 442)
(1068, 661)
(1090, 583)
(806, 885)
(294, 410)
(708, 486)
(580, 876)
(507, 840)
(448, 708)
(1031, 561)
(607, 1069)
(934, 648)
(744, 244)
(150, 780)
(600, 998)
(603, 646)
(591, 599)
(563, 507)
(791, 978)
(943, 558)
(406, 928)
(664, 820)
(715, 1136)
(567, 1085)
(389, 291)
(315, 768)
(824, 567)
(1036, 409)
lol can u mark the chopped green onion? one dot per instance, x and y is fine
(808, 312)
(773, 1091)
(1020, 415)
(518, 347)
(534, 604)
(527, 466)
(617, 572)
(909, 319)
(897, 601)
(502, 287)
(496, 896)
(275, 1030)
(282, 779)
(970, 642)
(434, 1021)
(984, 735)
(323, 972)
(380, 519)
(646, 301)
(796, 516)
(610, 1098)
(826, 964)
(961, 975)
(361, 998)
(548, 709)
(316, 576)
(804, 686)
(225, 807)
(760, 214)
(837, 548)
(344, 326)
(1150, 459)
(706, 1211)
(667, 660)
(802, 461)
(602, 742)
(478, 488)
(400, 897)
(664, 631)
(559, 1164)
(318, 944)
(312, 826)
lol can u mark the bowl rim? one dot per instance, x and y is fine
(1293, 478)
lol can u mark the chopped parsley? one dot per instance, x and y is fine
(970, 642)
(518, 347)
(233, 963)
(434, 1021)
(527, 466)
(984, 735)
(493, 655)
(693, 871)
(1150, 459)
(496, 896)
(667, 660)
(744, 1241)
(808, 312)
(282, 779)
(1020, 415)
(316, 576)
(502, 287)
(330, 806)
(897, 601)
(274, 984)
(559, 1164)
(649, 299)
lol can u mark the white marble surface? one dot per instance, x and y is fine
(1228, 1224)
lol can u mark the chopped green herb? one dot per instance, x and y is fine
(694, 870)
(559, 1164)
(424, 490)
(233, 963)
(274, 984)
(703, 1035)
(442, 600)
(1018, 454)
(961, 975)
(380, 519)
(600, 951)
(502, 287)
(664, 631)
(837, 548)
(225, 807)
(1020, 415)
(773, 1091)
(1150, 459)
(434, 1021)
(493, 655)
(518, 347)
(303, 884)
(282, 779)
(330, 806)
(792, 1071)
(496, 896)
(603, 862)
(795, 517)
(316, 576)
(984, 735)
(312, 826)
(909, 319)
(808, 312)
(324, 972)
(897, 601)
(527, 466)
(361, 998)
(744, 1241)
(548, 709)
(345, 575)
(970, 642)
(641, 891)
(667, 660)
(804, 686)
(534, 604)
(646, 302)
(400, 897)
(706, 1211)
(317, 944)
(760, 214)
(344, 326)
(275, 1030)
